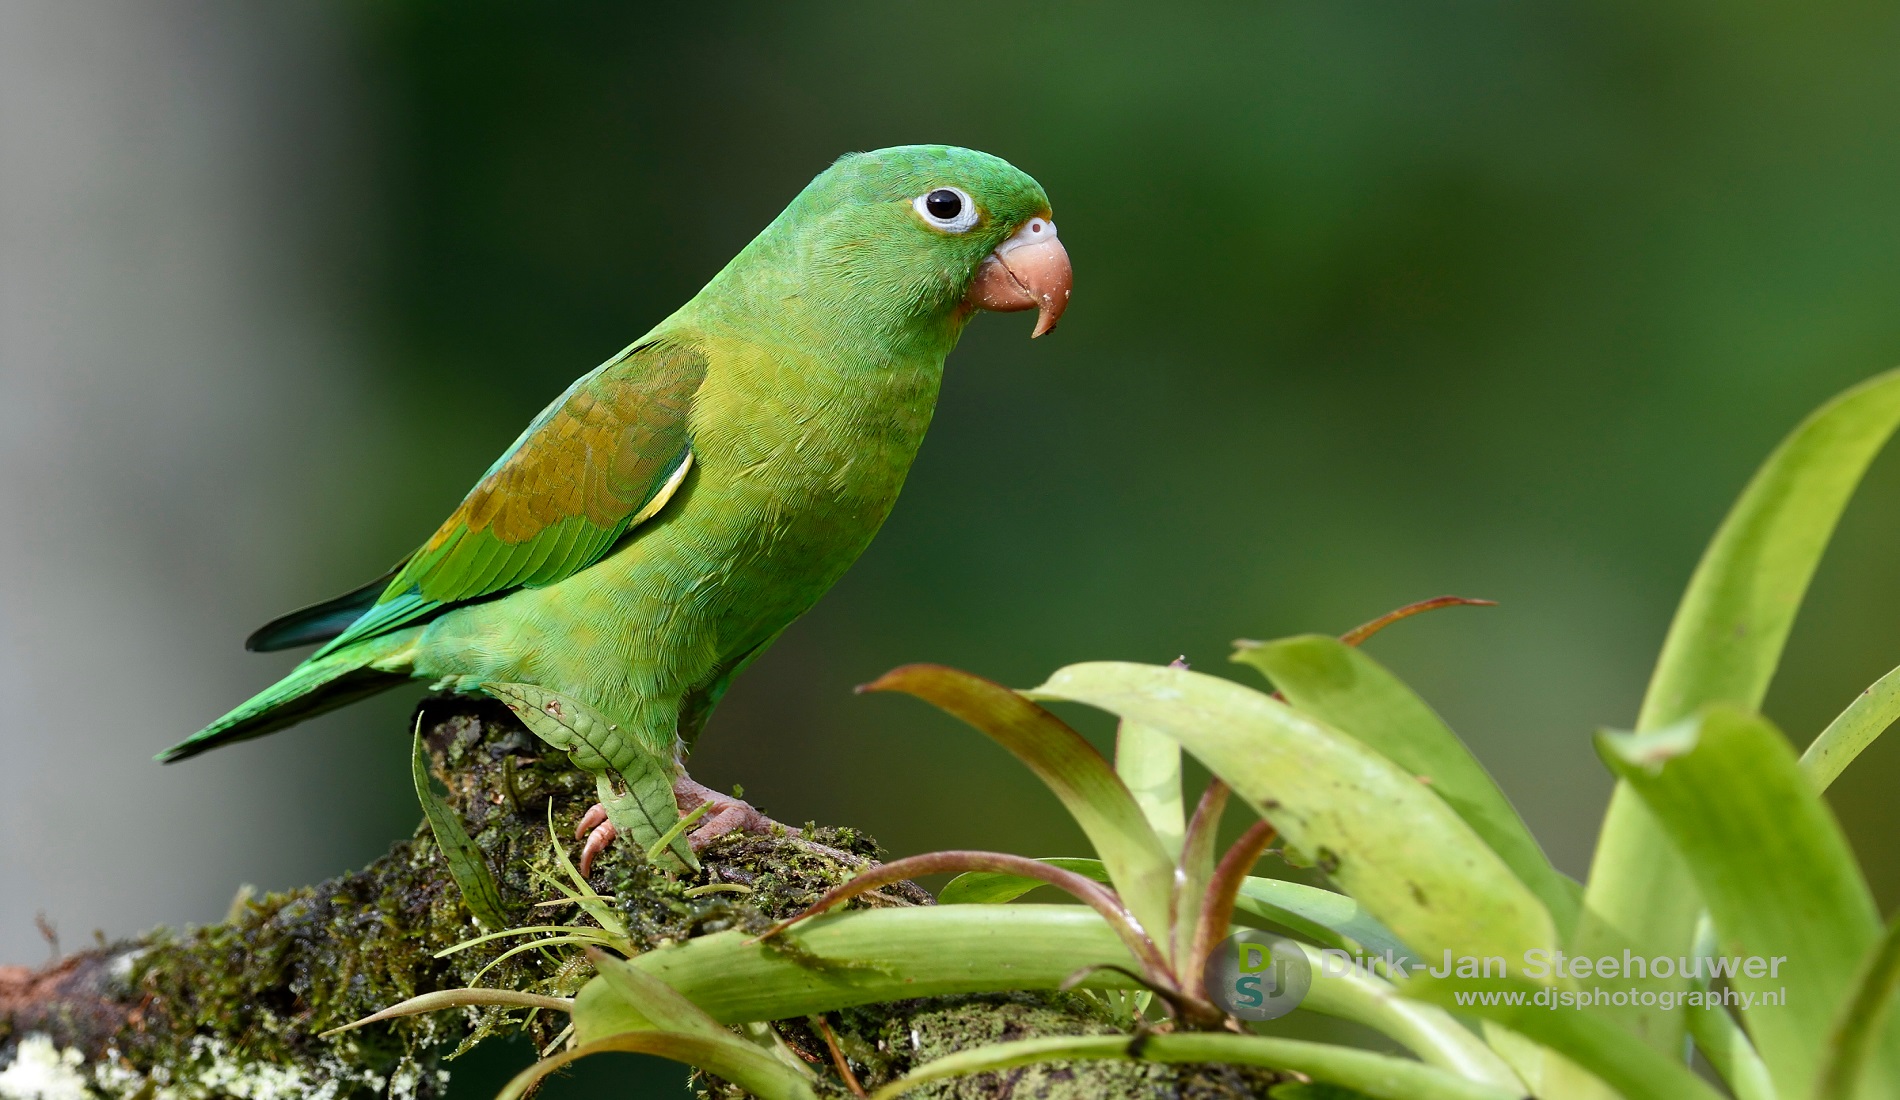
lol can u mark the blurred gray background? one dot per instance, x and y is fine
(1376, 301)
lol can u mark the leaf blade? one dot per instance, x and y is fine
(1149, 762)
(847, 959)
(1775, 870)
(1378, 1076)
(1088, 787)
(456, 998)
(656, 1006)
(997, 887)
(1863, 1017)
(1587, 1037)
(468, 866)
(1722, 647)
(1301, 908)
(1393, 845)
(734, 1059)
(1345, 688)
(1857, 727)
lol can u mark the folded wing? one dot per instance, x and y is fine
(603, 458)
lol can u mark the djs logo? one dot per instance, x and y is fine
(1257, 975)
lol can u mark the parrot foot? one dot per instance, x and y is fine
(728, 814)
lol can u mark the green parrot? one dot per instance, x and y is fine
(670, 514)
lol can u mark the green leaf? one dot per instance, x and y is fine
(457, 998)
(1426, 1030)
(1777, 874)
(1861, 1021)
(1728, 1050)
(726, 1055)
(1728, 634)
(634, 780)
(1586, 1036)
(467, 866)
(1723, 647)
(1372, 826)
(873, 955)
(628, 998)
(1094, 795)
(1718, 1037)
(1348, 690)
(1374, 1075)
(1845, 738)
(1150, 764)
(581, 893)
(996, 887)
(1154, 966)
(526, 930)
(1331, 918)
(861, 957)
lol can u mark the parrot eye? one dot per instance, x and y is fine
(946, 208)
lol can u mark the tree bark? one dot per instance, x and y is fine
(234, 1010)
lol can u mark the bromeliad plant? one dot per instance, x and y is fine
(1157, 883)
(1718, 843)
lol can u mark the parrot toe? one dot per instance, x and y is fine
(728, 814)
(600, 835)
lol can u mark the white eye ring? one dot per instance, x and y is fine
(961, 222)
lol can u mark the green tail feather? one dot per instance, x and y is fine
(318, 685)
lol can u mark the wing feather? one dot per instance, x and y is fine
(606, 455)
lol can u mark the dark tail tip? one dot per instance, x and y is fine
(319, 622)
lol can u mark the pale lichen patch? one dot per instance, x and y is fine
(42, 1071)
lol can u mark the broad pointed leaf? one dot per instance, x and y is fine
(1587, 1037)
(1348, 690)
(1723, 647)
(997, 887)
(628, 998)
(1776, 871)
(1372, 826)
(1138, 863)
(1331, 918)
(1150, 764)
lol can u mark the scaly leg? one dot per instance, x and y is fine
(727, 814)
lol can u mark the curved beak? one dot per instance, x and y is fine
(1028, 271)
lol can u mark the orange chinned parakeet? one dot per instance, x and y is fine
(658, 525)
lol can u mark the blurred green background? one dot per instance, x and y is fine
(1375, 302)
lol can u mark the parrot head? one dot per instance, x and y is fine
(918, 234)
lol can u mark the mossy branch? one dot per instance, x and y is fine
(236, 1009)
